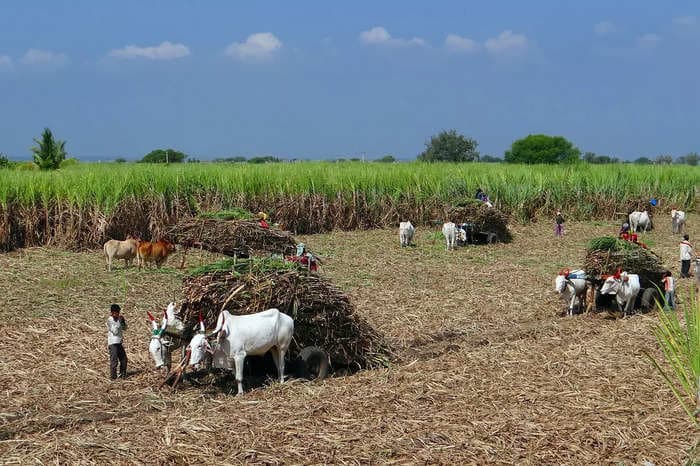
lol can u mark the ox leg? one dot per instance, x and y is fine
(239, 360)
(281, 367)
(629, 307)
(109, 263)
(620, 307)
(278, 357)
(571, 305)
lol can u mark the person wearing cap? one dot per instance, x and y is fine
(686, 250)
(116, 325)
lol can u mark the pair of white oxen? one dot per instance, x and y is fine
(238, 337)
(640, 221)
(449, 230)
(575, 288)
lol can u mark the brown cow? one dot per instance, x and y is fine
(115, 249)
(154, 252)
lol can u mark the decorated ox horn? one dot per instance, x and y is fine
(153, 320)
(201, 322)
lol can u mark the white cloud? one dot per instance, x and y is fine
(257, 46)
(648, 40)
(376, 35)
(686, 20)
(43, 57)
(604, 28)
(165, 51)
(6, 63)
(457, 43)
(507, 43)
(380, 36)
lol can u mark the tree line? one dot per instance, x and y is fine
(446, 146)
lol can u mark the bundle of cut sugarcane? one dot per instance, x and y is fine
(323, 315)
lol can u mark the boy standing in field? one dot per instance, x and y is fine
(115, 329)
(686, 251)
(559, 224)
(669, 291)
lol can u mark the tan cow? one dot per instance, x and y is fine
(115, 249)
(156, 252)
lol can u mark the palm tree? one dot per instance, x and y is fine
(49, 153)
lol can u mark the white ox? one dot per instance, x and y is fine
(406, 231)
(572, 287)
(640, 220)
(159, 352)
(626, 288)
(239, 336)
(115, 249)
(677, 221)
(449, 231)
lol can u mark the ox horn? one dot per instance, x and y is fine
(153, 320)
(201, 322)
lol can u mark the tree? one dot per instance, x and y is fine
(689, 159)
(386, 159)
(540, 148)
(663, 160)
(49, 153)
(591, 157)
(164, 156)
(643, 161)
(263, 159)
(490, 159)
(120, 160)
(4, 161)
(448, 146)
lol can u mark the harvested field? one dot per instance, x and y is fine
(489, 373)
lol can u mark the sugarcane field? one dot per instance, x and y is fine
(420, 351)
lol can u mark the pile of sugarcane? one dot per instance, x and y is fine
(323, 315)
(483, 217)
(605, 255)
(231, 237)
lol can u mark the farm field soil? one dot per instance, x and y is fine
(488, 370)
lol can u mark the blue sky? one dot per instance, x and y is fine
(326, 79)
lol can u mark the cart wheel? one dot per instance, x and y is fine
(650, 296)
(314, 363)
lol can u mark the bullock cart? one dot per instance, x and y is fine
(607, 256)
(480, 224)
(235, 238)
(329, 337)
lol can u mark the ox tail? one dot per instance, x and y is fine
(219, 324)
